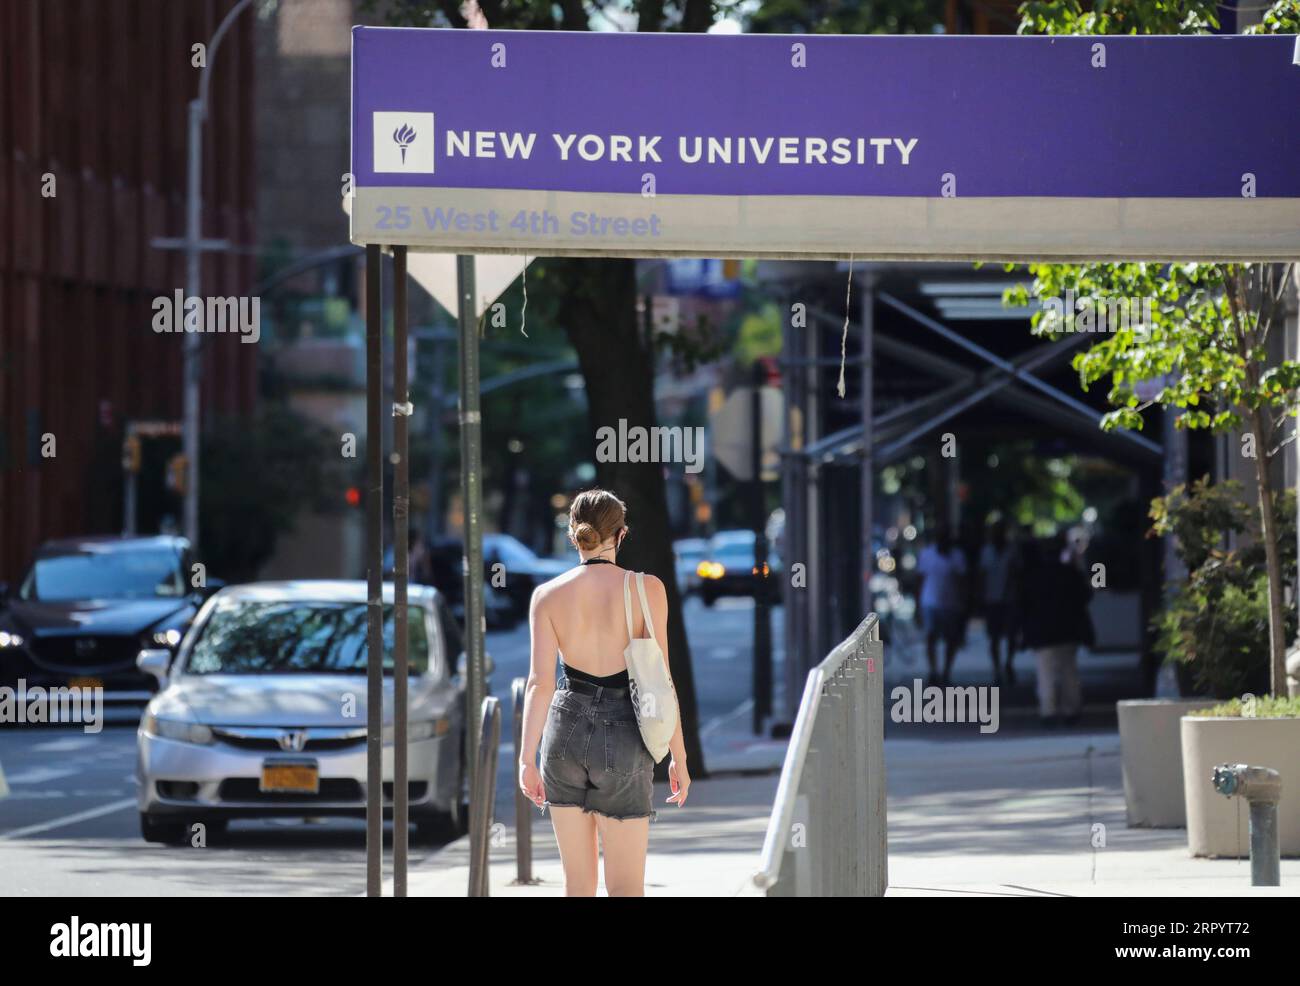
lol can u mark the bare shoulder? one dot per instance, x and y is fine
(547, 590)
(656, 592)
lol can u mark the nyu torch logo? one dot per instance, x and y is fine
(404, 137)
(403, 142)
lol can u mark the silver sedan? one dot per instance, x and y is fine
(262, 712)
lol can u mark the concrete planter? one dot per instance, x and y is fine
(1151, 753)
(1218, 826)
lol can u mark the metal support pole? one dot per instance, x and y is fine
(433, 527)
(193, 345)
(401, 571)
(762, 585)
(374, 574)
(471, 473)
(794, 489)
(867, 498)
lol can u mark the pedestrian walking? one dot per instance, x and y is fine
(942, 568)
(596, 773)
(996, 588)
(1055, 623)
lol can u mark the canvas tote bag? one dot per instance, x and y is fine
(653, 696)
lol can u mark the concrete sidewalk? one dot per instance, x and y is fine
(709, 848)
(971, 815)
(1037, 816)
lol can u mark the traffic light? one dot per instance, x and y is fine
(131, 454)
(176, 467)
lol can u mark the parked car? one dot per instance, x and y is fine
(729, 568)
(522, 568)
(262, 712)
(447, 562)
(689, 552)
(86, 608)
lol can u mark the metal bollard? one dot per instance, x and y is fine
(523, 807)
(1262, 789)
(482, 794)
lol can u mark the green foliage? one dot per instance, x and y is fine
(846, 17)
(1196, 355)
(1260, 707)
(1216, 621)
(1282, 18)
(759, 335)
(258, 475)
(1118, 17)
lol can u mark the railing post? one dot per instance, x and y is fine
(877, 810)
(523, 807)
(482, 789)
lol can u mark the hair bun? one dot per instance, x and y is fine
(587, 537)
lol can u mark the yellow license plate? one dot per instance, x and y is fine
(300, 778)
(85, 682)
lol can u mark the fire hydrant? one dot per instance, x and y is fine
(1262, 789)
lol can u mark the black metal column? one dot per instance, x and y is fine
(401, 570)
(471, 475)
(374, 574)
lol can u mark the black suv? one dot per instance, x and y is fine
(88, 606)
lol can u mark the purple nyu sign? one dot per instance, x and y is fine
(827, 146)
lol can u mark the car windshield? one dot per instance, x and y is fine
(742, 556)
(133, 574)
(510, 551)
(299, 637)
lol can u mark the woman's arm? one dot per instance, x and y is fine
(537, 694)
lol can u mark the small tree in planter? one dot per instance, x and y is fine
(1215, 621)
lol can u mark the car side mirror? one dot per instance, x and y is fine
(156, 662)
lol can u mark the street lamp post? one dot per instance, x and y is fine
(194, 246)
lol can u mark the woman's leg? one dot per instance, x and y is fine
(624, 844)
(575, 834)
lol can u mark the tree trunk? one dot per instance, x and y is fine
(597, 309)
(1272, 559)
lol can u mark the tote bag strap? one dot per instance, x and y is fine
(645, 606)
(627, 604)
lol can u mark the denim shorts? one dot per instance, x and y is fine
(592, 754)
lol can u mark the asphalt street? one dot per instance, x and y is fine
(69, 826)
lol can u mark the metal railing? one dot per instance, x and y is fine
(523, 807)
(826, 836)
(482, 794)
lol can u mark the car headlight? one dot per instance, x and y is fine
(415, 731)
(8, 640)
(711, 570)
(168, 638)
(175, 729)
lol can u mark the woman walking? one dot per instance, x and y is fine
(596, 774)
(1054, 625)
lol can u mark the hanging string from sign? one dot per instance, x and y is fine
(523, 311)
(844, 337)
